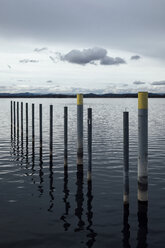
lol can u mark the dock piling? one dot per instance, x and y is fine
(143, 146)
(126, 156)
(79, 129)
(51, 132)
(89, 122)
(26, 124)
(65, 135)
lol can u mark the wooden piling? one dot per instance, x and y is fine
(89, 122)
(143, 146)
(14, 121)
(40, 125)
(26, 124)
(79, 129)
(18, 120)
(65, 136)
(51, 132)
(21, 122)
(126, 157)
(11, 112)
(33, 126)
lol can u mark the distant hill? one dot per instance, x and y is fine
(89, 95)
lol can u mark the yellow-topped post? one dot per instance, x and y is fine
(143, 147)
(79, 129)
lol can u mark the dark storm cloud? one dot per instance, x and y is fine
(158, 83)
(112, 61)
(85, 56)
(25, 61)
(135, 57)
(138, 82)
(102, 24)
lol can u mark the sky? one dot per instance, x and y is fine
(82, 46)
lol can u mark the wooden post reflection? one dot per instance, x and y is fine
(143, 225)
(79, 198)
(126, 226)
(66, 224)
(92, 234)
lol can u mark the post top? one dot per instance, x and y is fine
(79, 99)
(142, 100)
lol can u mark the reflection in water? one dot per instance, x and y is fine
(126, 226)
(91, 236)
(143, 225)
(51, 188)
(40, 187)
(79, 198)
(66, 225)
(18, 148)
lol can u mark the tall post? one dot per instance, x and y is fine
(11, 111)
(33, 129)
(14, 121)
(22, 122)
(126, 156)
(79, 129)
(18, 120)
(51, 132)
(26, 124)
(143, 146)
(65, 135)
(89, 175)
(40, 125)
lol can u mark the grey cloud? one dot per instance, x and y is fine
(112, 61)
(25, 61)
(40, 49)
(91, 56)
(158, 83)
(135, 57)
(86, 56)
(138, 82)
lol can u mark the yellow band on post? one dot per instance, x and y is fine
(79, 99)
(142, 100)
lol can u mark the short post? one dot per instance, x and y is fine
(33, 128)
(22, 122)
(143, 147)
(89, 175)
(126, 156)
(79, 129)
(26, 124)
(11, 111)
(18, 120)
(65, 135)
(51, 132)
(40, 125)
(14, 121)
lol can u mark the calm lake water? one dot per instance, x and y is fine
(43, 205)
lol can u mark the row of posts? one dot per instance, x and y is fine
(142, 140)
(15, 127)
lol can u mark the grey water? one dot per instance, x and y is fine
(44, 205)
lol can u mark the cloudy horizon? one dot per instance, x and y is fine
(81, 46)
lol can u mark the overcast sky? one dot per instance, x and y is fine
(71, 46)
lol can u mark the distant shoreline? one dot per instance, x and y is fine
(90, 95)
